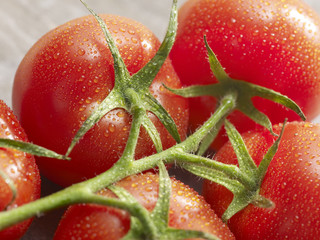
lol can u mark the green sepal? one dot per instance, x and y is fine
(112, 101)
(120, 70)
(196, 90)
(215, 176)
(215, 65)
(160, 213)
(238, 203)
(153, 133)
(246, 163)
(156, 108)
(264, 164)
(30, 148)
(144, 77)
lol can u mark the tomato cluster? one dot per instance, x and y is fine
(71, 71)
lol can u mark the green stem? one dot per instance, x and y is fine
(138, 113)
(77, 193)
(226, 106)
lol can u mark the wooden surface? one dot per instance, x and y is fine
(23, 22)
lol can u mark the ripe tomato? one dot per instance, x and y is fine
(188, 210)
(63, 78)
(292, 183)
(20, 168)
(271, 43)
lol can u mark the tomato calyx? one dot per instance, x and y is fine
(125, 85)
(154, 225)
(244, 180)
(247, 165)
(241, 91)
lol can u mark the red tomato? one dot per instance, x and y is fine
(271, 43)
(20, 168)
(63, 78)
(188, 210)
(292, 183)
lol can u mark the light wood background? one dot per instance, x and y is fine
(23, 22)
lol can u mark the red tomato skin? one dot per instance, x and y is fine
(63, 78)
(292, 183)
(20, 168)
(272, 43)
(188, 210)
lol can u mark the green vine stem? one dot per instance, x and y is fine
(79, 193)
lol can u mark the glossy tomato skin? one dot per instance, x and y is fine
(292, 183)
(188, 210)
(271, 43)
(20, 168)
(67, 73)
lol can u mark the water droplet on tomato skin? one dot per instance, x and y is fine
(111, 127)
(81, 52)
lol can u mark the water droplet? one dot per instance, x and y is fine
(111, 127)
(134, 40)
(131, 32)
(180, 193)
(120, 113)
(81, 52)
(56, 55)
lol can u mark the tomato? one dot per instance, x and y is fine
(20, 168)
(271, 43)
(291, 183)
(188, 210)
(67, 73)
